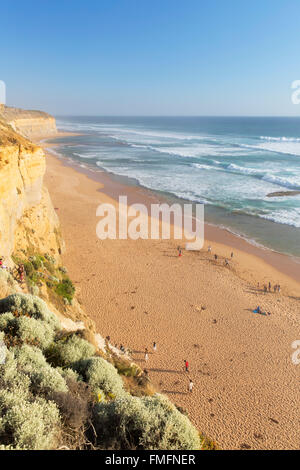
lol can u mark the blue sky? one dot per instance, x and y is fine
(151, 57)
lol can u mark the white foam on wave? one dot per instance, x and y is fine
(125, 131)
(283, 216)
(86, 155)
(292, 183)
(54, 152)
(288, 148)
(280, 139)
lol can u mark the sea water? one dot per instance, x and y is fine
(231, 164)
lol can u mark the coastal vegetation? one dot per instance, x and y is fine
(58, 391)
(43, 270)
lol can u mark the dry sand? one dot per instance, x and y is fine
(246, 388)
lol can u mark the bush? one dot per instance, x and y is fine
(101, 376)
(32, 331)
(43, 377)
(66, 289)
(30, 305)
(6, 319)
(28, 425)
(75, 405)
(34, 290)
(68, 374)
(148, 423)
(29, 268)
(69, 349)
(49, 266)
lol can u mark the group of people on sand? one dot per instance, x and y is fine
(209, 250)
(268, 287)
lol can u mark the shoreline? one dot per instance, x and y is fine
(285, 264)
(140, 291)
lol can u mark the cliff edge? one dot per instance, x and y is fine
(29, 123)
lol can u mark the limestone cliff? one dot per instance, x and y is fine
(28, 221)
(27, 217)
(30, 124)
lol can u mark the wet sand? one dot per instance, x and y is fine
(246, 392)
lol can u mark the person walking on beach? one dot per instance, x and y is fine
(191, 386)
(186, 364)
(278, 288)
(270, 287)
(209, 249)
(146, 355)
(216, 257)
(179, 251)
(154, 346)
(231, 255)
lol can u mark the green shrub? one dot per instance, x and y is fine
(6, 319)
(43, 377)
(50, 258)
(68, 374)
(28, 425)
(29, 268)
(34, 290)
(150, 423)
(69, 349)
(101, 375)
(33, 331)
(30, 305)
(37, 261)
(49, 266)
(66, 289)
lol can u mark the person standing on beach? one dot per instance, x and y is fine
(231, 255)
(154, 346)
(146, 355)
(270, 287)
(191, 386)
(209, 249)
(186, 364)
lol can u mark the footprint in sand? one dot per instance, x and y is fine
(210, 400)
(245, 446)
(258, 436)
(132, 307)
(274, 420)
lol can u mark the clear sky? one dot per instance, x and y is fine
(151, 57)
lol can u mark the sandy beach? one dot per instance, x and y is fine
(246, 387)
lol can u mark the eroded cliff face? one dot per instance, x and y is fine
(31, 124)
(27, 218)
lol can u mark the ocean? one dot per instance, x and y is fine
(231, 164)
